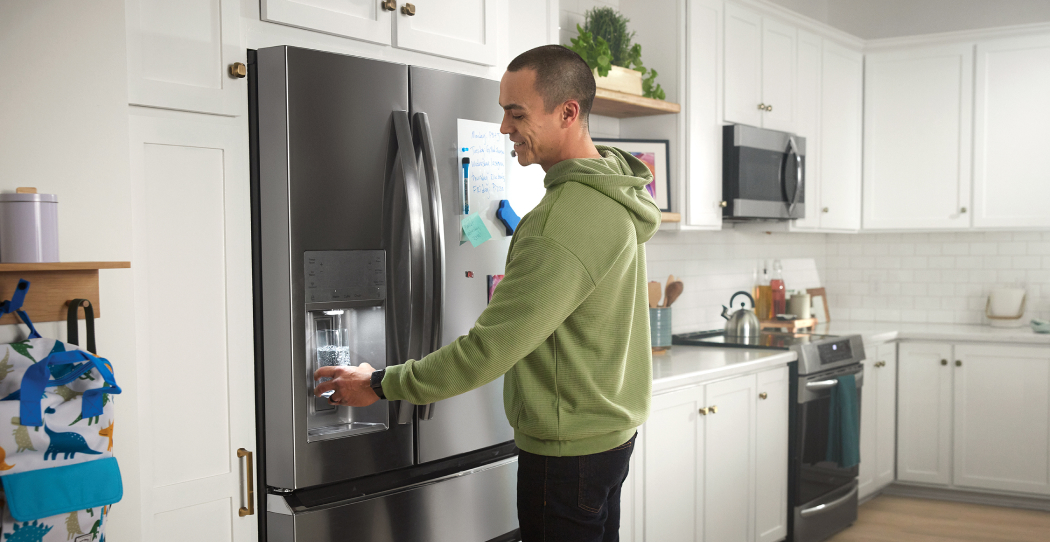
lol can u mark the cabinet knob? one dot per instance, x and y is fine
(238, 70)
(408, 9)
(761, 107)
(763, 395)
(824, 210)
(388, 5)
(769, 108)
(944, 362)
(703, 411)
(962, 210)
(958, 363)
(713, 409)
(723, 204)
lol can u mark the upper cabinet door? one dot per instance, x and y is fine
(918, 107)
(460, 29)
(179, 55)
(1011, 187)
(704, 174)
(807, 123)
(841, 120)
(778, 75)
(743, 66)
(364, 20)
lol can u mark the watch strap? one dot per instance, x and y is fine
(377, 382)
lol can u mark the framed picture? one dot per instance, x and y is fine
(655, 154)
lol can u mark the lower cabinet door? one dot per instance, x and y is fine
(885, 394)
(729, 456)
(868, 424)
(1002, 418)
(772, 450)
(924, 432)
(672, 477)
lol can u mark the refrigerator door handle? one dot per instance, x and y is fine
(405, 169)
(421, 125)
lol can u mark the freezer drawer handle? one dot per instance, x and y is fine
(248, 476)
(828, 506)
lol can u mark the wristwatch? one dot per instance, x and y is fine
(377, 382)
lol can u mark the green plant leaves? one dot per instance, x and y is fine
(594, 51)
(606, 26)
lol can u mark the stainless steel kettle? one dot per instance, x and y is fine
(743, 323)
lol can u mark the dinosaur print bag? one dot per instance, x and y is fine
(56, 459)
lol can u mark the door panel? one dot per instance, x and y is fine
(704, 185)
(729, 456)
(460, 29)
(917, 144)
(778, 75)
(886, 417)
(1002, 418)
(924, 430)
(179, 53)
(743, 66)
(868, 429)
(193, 474)
(807, 123)
(771, 474)
(673, 443)
(475, 419)
(841, 122)
(1011, 186)
(358, 19)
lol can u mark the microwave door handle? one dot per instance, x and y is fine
(421, 123)
(799, 180)
(405, 170)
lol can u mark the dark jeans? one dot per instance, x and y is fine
(572, 499)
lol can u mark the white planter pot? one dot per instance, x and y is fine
(621, 80)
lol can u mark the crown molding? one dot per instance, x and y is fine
(826, 31)
(944, 38)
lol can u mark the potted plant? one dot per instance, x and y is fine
(605, 44)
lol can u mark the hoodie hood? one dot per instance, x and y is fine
(619, 176)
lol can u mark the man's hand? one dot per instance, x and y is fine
(352, 385)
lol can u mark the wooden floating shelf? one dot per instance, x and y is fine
(621, 105)
(52, 285)
(670, 217)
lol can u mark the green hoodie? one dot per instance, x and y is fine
(569, 323)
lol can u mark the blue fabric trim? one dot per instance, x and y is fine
(41, 493)
(38, 377)
(15, 306)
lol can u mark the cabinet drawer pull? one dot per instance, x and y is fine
(703, 411)
(248, 476)
(769, 108)
(958, 363)
(238, 70)
(388, 5)
(408, 9)
(944, 362)
(763, 395)
(761, 107)
(713, 409)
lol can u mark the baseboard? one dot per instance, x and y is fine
(965, 495)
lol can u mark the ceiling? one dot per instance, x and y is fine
(873, 19)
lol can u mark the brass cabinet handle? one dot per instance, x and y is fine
(824, 210)
(769, 108)
(962, 210)
(408, 9)
(238, 70)
(248, 475)
(763, 395)
(944, 362)
(703, 411)
(713, 409)
(388, 5)
(723, 204)
(880, 363)
(958, 363)
(761, 107)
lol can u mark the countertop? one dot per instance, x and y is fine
(880, 332)
(690, 365)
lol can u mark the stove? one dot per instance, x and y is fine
(816, 352)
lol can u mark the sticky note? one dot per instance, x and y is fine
(475, 230)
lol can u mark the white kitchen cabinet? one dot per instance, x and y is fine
(1011, 113)
(729, 461)
(917, 138)
(191, 482)
(366, 20)
(1002, 418)
(672, 470)
(771, 473)
(703, 186)
(841, 122)
(878, 423)
(807, 123)
(924, 422)
(759, 70)
(459, 29)
(179, 55)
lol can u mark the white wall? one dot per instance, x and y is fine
(64, 129)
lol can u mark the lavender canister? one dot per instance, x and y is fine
(28, 227)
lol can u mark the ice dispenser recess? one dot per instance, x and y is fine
(346, 326)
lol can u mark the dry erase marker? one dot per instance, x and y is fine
(466, 185)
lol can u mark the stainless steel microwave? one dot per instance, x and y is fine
(763, 174)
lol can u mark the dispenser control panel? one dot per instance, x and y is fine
(344, 275)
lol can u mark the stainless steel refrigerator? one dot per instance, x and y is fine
(356, 190)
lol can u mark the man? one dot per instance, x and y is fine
(569, 323)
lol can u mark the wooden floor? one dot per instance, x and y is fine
(899, 519)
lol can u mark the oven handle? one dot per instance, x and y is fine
(828, 506)
(821, 385)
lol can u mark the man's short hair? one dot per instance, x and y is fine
(561, 75)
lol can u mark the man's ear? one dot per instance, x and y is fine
(570, 113)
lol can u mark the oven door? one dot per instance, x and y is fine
(817, 476)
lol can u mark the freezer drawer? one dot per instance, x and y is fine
(472, 506)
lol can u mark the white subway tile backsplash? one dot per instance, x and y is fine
(1013, 248)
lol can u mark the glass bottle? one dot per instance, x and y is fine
(763, 294)
(776, 284)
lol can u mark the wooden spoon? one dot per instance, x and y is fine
(654, 294)
(670, 279)
(674, 290)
